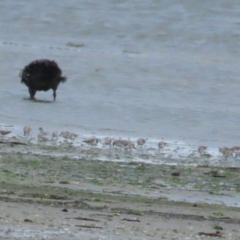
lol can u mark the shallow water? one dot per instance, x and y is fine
(150, 68)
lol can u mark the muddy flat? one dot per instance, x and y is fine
(49, 196)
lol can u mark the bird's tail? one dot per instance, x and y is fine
(63, 79)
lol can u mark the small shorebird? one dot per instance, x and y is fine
(93, 141)
(68, 135)
(65, 134)
(117, 143)
(4, 133)
(161, 145)
(128, 145)
(42, 131)
(235, 148)
(72, 136)
(55, 135)
(108, 141)
(121, 143)
(141, 142)
(226, 152)
(202, 149)
(41, 137)
(26, 131)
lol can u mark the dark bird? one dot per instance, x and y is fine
(42, 75)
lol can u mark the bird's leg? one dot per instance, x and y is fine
(54, 94)
(32, 93)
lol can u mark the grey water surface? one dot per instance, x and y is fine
(157, 69)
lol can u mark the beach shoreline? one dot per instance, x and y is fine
(50, 196)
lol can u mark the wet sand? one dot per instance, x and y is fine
(46, 195)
